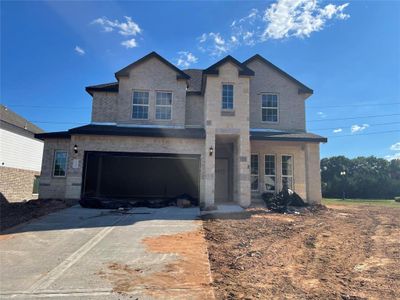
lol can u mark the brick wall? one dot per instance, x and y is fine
(16, 184)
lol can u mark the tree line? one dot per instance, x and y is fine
(361, 177)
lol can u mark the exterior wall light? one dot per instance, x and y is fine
(211, 151)
(76, 149)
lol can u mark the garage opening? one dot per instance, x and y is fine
(140, 175)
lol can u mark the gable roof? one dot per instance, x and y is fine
(303, 88)
(10, 119)
(243, 69)
(124, 71)
(112, 87)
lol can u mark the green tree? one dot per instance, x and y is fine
(366, 177)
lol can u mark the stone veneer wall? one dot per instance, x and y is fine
(234, 124)
(16, 184)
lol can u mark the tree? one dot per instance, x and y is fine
(366, 177)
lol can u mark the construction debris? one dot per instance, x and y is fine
(283, 202)
(183, 201)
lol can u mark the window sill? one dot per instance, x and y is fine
(228, 112)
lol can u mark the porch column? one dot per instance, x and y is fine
(209, 169)
(243, 161)
(313, 174)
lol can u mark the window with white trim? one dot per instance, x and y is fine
(163, 106)
(270, 173)
(140, 105)
(287, 171)
(227, 96)
(269, 108)
(60, 163)
(254, 172)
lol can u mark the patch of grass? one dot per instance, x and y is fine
(373, 202)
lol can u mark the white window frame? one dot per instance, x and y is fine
(270, 107)
(292, 171)
(255, 175)
(54, 162)
(164, 105)
(233, 96)
(270, 176)
(144, 105)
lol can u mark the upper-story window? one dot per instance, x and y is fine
(227, 96)
(140, 105)
(163, 106)
(60, 163)
(269, 107)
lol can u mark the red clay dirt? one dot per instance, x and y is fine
(189, 274)
(342, 253)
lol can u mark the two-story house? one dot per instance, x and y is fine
(223, 134)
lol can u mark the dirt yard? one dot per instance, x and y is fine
(14, 213)
(343, 252)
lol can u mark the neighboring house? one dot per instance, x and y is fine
(226, 133)
(20, 156)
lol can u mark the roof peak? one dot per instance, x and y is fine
(303, 88)
(153, 54)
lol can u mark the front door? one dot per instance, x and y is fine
(221, 180)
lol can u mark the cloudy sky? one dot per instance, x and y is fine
(347, 51)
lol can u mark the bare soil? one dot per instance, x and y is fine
(14, 213)
(343, 252)
(188, 274)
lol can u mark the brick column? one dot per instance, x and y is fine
(244, 190)
(209, 169)
(313, 175)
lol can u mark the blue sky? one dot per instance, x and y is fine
(347, 51)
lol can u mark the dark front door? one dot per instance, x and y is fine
(221, 180)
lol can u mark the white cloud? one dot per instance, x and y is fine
(299, 18)
(395, 147)
(337, 130)
(358, 128)
(214, 44)
(321, 114)
(186, 59)
(127, 28)
(393, 156)
(280, 20)
(129, 43)
(79, 50)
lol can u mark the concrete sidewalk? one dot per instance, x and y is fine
(101, 254)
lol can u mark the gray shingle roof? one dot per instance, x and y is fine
(105, 87)
(13, 119)
(195, 81)
(287, 136)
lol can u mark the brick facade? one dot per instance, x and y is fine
(16, 184)
(197, 110)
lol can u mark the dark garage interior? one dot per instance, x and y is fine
(140, 175)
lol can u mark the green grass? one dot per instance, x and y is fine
(373, 202)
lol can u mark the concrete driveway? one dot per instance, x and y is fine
(82, 253)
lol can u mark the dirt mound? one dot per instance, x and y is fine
(14, 213)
